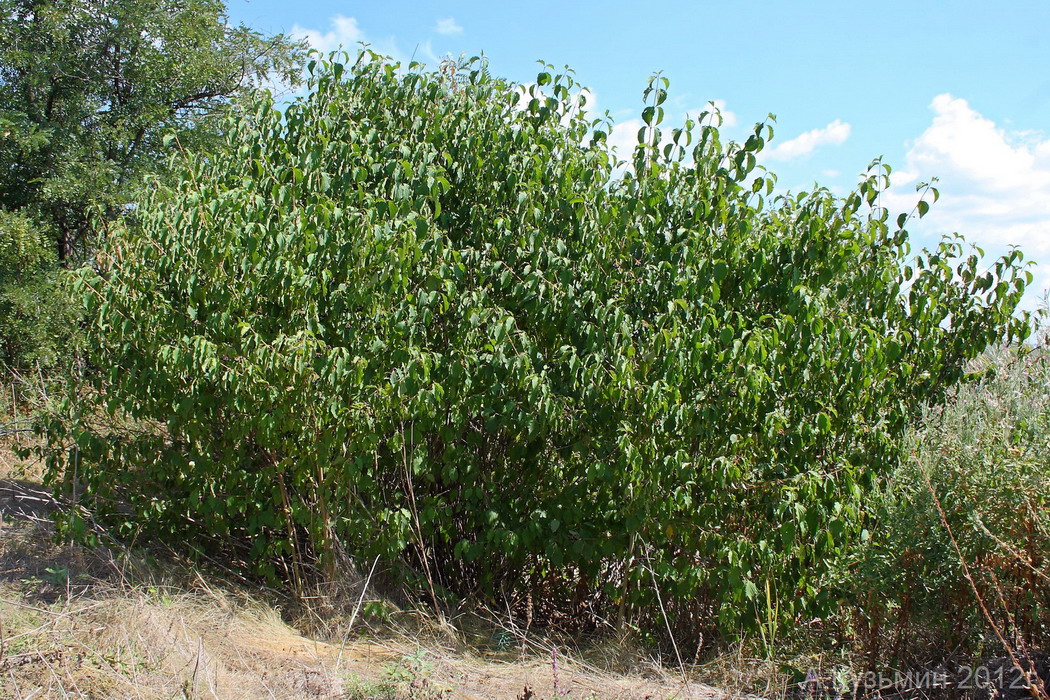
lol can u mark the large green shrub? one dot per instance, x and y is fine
(421, 317)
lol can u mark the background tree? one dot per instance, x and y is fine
(88, 90)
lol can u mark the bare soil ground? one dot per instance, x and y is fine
(94, 623)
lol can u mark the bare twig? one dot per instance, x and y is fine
(663, 611)
(14, 684)
(196, 666)
(1037, 689)
(419, 531)
(353, 616)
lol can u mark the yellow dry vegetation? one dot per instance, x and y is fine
(107, 623)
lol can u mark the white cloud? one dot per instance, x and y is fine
(345, 33)
(448, 25)
(624, 137)
(425, 50)
(833, 134)
(994, 184)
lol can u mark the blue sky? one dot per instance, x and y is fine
(959, 91)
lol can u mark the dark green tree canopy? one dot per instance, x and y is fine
(88, 89)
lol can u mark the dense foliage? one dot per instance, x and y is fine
(89, 90)
(431, 318)
(36, 318)
(972, 500)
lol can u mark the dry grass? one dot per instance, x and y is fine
(108, 623)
